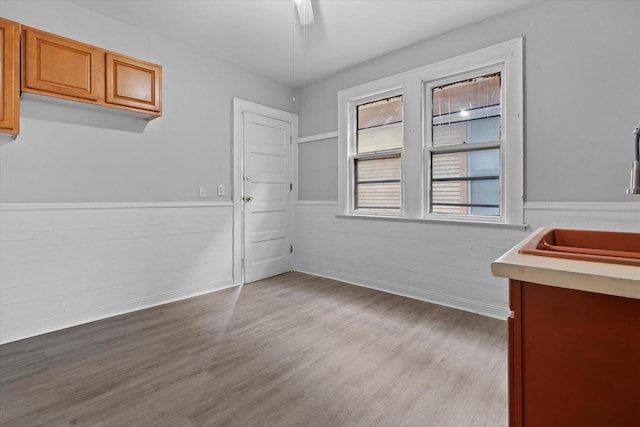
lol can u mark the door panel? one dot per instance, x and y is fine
(273, 192)
(267, 178)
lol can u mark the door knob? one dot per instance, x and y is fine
(248, 179)
(248, 198)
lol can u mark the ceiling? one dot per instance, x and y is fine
(265, 36)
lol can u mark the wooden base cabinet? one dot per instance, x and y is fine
(574, 357)
(9, 77)
(67, 69)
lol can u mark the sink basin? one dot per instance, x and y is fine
(586, 245)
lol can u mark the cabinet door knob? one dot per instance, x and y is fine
(248, 179)
(248, 198)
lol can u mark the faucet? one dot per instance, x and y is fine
(634, 188)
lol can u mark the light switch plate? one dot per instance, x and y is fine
(221, 190)
(203, 192)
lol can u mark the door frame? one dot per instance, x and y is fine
(241, 106)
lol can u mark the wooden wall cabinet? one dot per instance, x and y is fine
(54, 65)
(574, 357)
(63, 68)
(132, 83)
(9, 77)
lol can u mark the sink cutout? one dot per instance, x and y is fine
(586, 245)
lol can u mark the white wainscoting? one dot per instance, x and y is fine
(63, 264)
(621, 216)
(446, 264)
(442, 263)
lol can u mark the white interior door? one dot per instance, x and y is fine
(267, 196)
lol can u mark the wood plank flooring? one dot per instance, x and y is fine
(292, 350)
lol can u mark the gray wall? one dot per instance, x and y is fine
(317, 179)
(70, 155)
(582, 93)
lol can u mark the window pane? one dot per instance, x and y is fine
(466, 164)
(466, 183)
(387, 168)
(378, 113)
(380, 125)
(467, 111)
(448, 196)
(484, 129)
(485, 193)
(379, 196)
(484, 162)
(378, 183)
(381, 138)
(466, 197)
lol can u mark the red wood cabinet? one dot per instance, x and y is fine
(54, 65)
(574, 357)
(132, 83)
(9, 77)
(64, 68)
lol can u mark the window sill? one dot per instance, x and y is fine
(499, 225)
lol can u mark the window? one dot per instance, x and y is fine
(376, 159)
(464, 144)
(443, 142)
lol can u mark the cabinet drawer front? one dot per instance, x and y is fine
(54, 65)
(9, 76)
(133, 83)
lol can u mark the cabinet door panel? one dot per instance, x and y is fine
(59, 66)
(133, 83)
(9, 77)
(581, 358)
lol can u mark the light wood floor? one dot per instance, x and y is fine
(293, 350)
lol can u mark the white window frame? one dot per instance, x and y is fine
(353, 154)
(430, 149)
(506, 56)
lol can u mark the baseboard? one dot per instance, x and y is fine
(75, 319)
(476, 307)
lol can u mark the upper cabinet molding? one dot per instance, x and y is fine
(9, 77)
(63, 68)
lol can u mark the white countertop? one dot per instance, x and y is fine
(600, 277)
